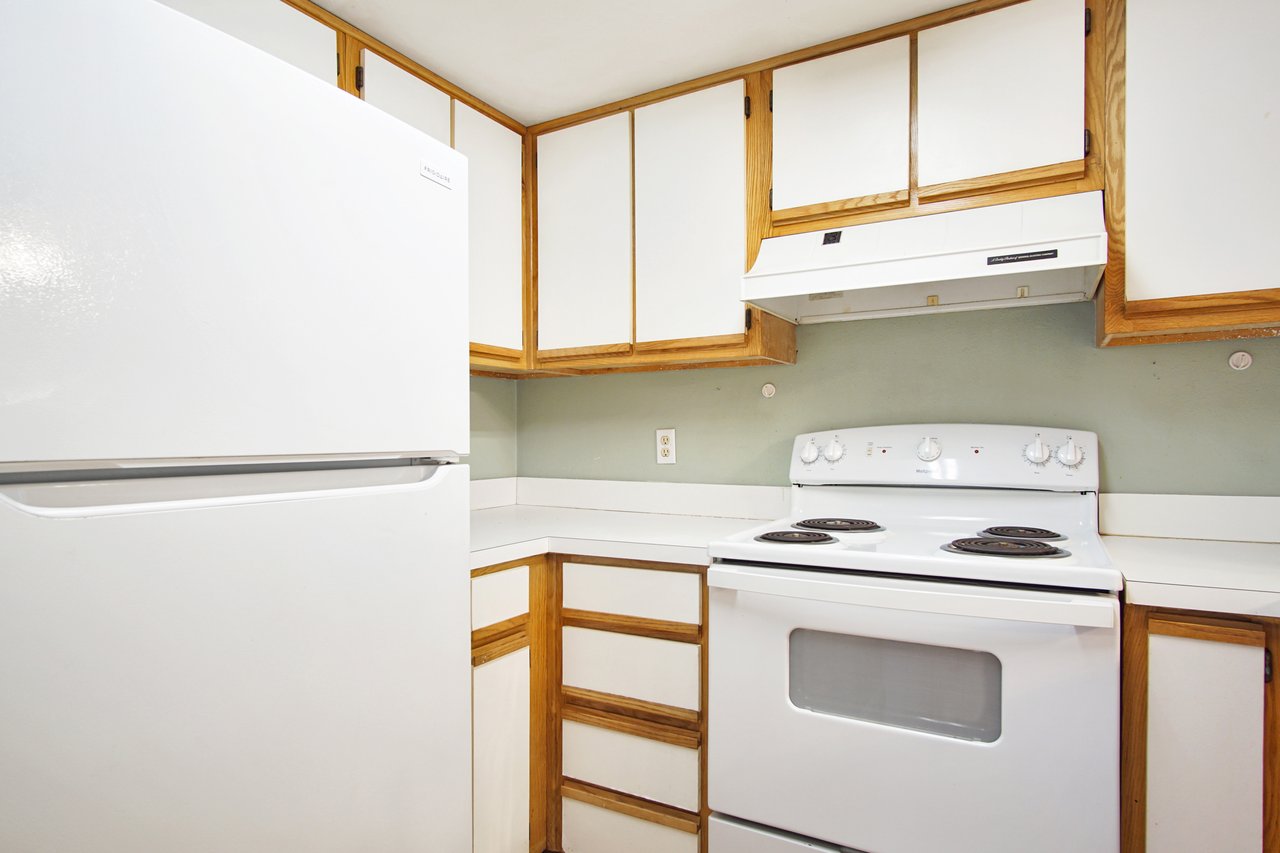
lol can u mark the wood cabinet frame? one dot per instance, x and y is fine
(1214, 316)
(1139, 623)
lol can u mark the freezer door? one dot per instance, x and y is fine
(206, 252)
(258, 664)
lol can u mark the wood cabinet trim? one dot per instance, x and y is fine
(686, 568)
(481, 637)
(823, 210)
(625, 706)
(631, 805)
(638, 626)
(500, 647)
(1211, 630)
(1054, 173)
(632, 726)
(531, 562)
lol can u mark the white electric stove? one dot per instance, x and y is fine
(924, 654)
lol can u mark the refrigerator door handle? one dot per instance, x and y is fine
(97, 498)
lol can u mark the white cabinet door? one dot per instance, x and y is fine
(1192, 191)
(1205, 733)
(500, 691)
(842, 125)
(410, 99)
(690, 188)
(275, 27)
(584, 234)
(496, 158)
(1001, 91)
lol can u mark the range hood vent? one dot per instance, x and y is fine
(1025, 253)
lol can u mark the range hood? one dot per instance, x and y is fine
(1024, 253)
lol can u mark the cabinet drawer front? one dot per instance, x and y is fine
(632, 764)
(640, 667)
(674, 596)
(589, 829)
(500, 758)
(499, 596)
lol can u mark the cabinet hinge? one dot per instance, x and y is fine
(1088, 142)
(359, 78)
(1088, 20)
(770, 100)
(747, 323)
(1266, 667)
(771, 198)
(746, 106)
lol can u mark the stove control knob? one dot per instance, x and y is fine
(1070, 454)
(929, 449)
(1037, 452)
(833, 451)
(809, 453)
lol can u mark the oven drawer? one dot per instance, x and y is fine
(647, 768)
(731, 836)
(662, 671)
(590, 829)
(647, 593)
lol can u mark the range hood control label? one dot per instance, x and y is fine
(1022, 256)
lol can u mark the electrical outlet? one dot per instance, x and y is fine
(666, 446)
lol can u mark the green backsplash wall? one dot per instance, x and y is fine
(493, 428)
(1172, 418)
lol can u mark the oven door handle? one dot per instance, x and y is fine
(1050, 608)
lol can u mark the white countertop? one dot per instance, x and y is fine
(507, 533)
(1191, 574)
(1199, 574)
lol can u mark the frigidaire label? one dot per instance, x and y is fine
(1022, 256)
(431, 173)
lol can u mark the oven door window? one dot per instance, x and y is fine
(934, 689)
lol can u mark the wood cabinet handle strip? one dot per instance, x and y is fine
(661, 629)
(632, 806)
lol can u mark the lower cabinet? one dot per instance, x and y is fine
(1200, 766)
(632, 710)
(589, 715)
(508, 753)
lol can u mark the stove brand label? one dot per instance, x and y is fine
(1021, 257)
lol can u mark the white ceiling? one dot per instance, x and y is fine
(542, 60)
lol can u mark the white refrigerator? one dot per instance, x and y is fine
(234, 598)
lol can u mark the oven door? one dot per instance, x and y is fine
(904, 716)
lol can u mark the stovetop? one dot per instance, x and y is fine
(985, 487)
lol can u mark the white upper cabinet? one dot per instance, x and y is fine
(272, 26)
(690, 203)
(842, 125)
(410, 99)
(1202, 128)
(1001, 92)
(496, 156)
(584, 235)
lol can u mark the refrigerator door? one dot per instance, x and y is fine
(206, 252)
(254, 663)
